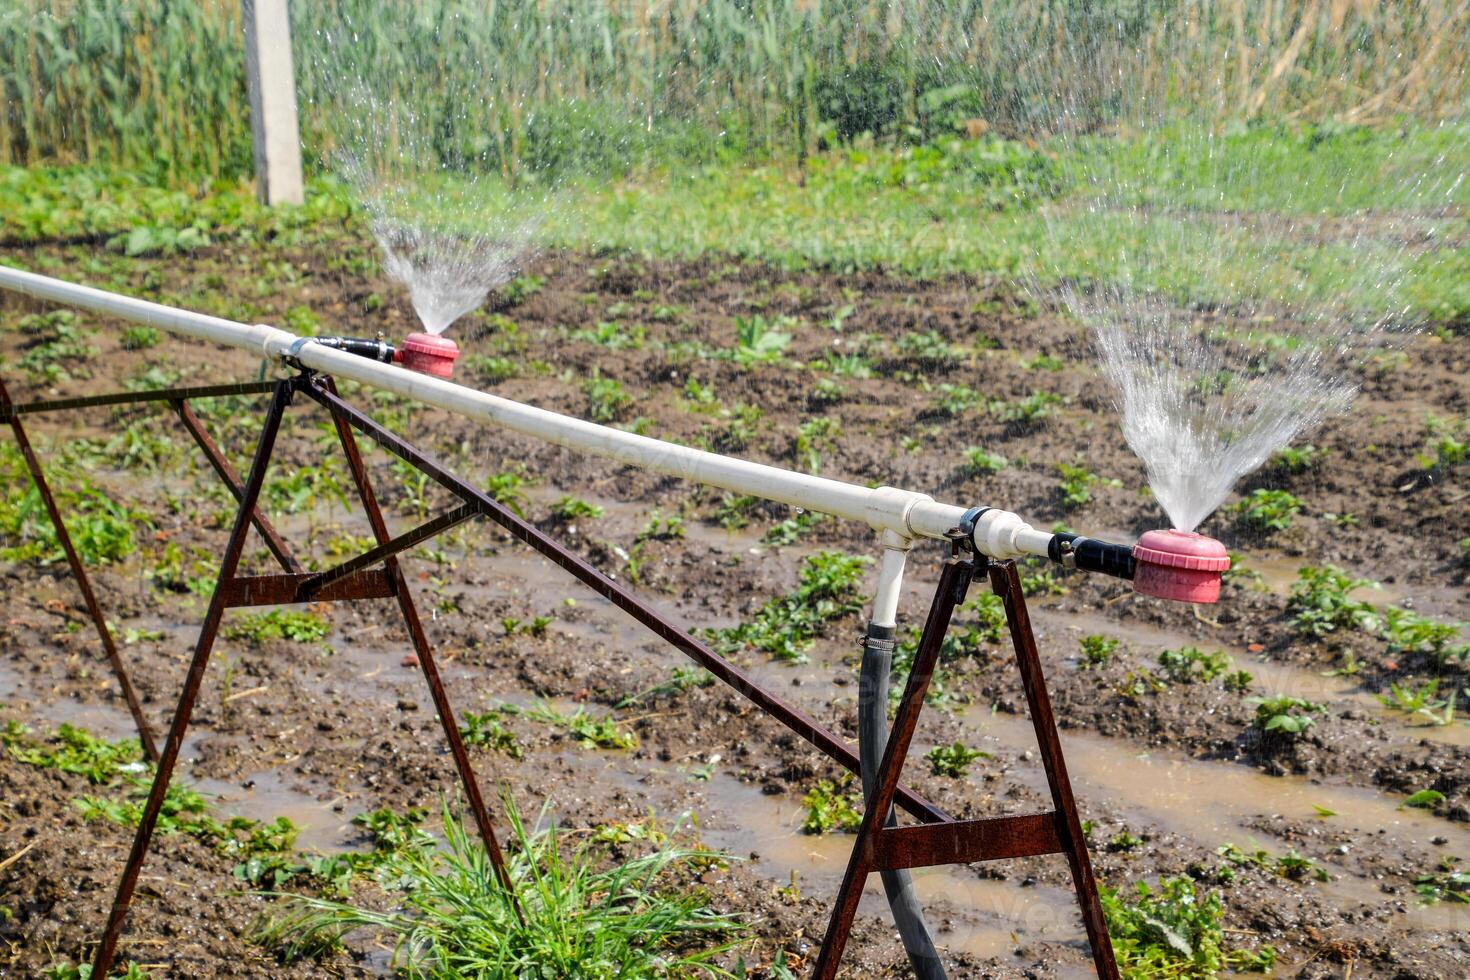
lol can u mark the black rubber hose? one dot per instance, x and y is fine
(872, 739)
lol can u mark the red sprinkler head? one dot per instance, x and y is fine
(1179, 565)
(428, 353)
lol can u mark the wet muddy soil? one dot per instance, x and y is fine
(1167, 771)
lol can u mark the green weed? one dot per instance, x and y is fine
(1174, 932)
(786, 626)
(832, 806)
(1285, 715)
(978, 461)
(569, 509)
(279, 624)
(576, 915)
(585, 729)
(953, 760)
(1267, 510)
(1448, 884)
(760, 341)
(607, 400)
(1096, 650)
(488, 730)
(1076, 485)
(1189, 664)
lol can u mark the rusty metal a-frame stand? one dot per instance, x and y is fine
(375, 574)
(1058, 831)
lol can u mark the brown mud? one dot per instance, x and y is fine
(319, 732)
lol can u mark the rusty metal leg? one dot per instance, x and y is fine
(425, 654)
(84, 584)
(1006, 582)
(953, 583)
(207, 632)
(223, 470)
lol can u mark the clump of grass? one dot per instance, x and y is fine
(587, 730)
(579, 914)
(786, 626)
(569, 509)
(73, 750)
(1174, 932)
(279, 624)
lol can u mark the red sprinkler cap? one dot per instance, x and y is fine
(1179, 565)
(428, 354)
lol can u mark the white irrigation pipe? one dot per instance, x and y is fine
(904, 513)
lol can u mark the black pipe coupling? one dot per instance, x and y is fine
(1091, 555)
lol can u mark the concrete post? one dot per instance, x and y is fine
(272, 84)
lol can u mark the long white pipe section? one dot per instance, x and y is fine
(906, 513)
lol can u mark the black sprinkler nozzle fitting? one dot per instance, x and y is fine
(373, 350)
(1091, 555)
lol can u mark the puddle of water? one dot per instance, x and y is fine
(1213, 803)
(982, 916)
(268, 797)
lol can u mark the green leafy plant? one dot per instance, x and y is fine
(1425, 799)
(508, 488)
(1407, 631)
(1320, 603)
(1027, 412)
(1285, 715)
(279, 624)
(1298, 459)
(1266, 510)
(927, 347)
(1076, 485)
(953, 760)
(607, 401)
(569, 509)
(73, 750)
(1174, 932)
(831, 806)
(682, 679)
(1189, 664)
(814, 437)
(1096, 650)
(488, 730)
(1447, 884)
(760, 341)
(792, 528)
(978, 461)
(953, 401)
